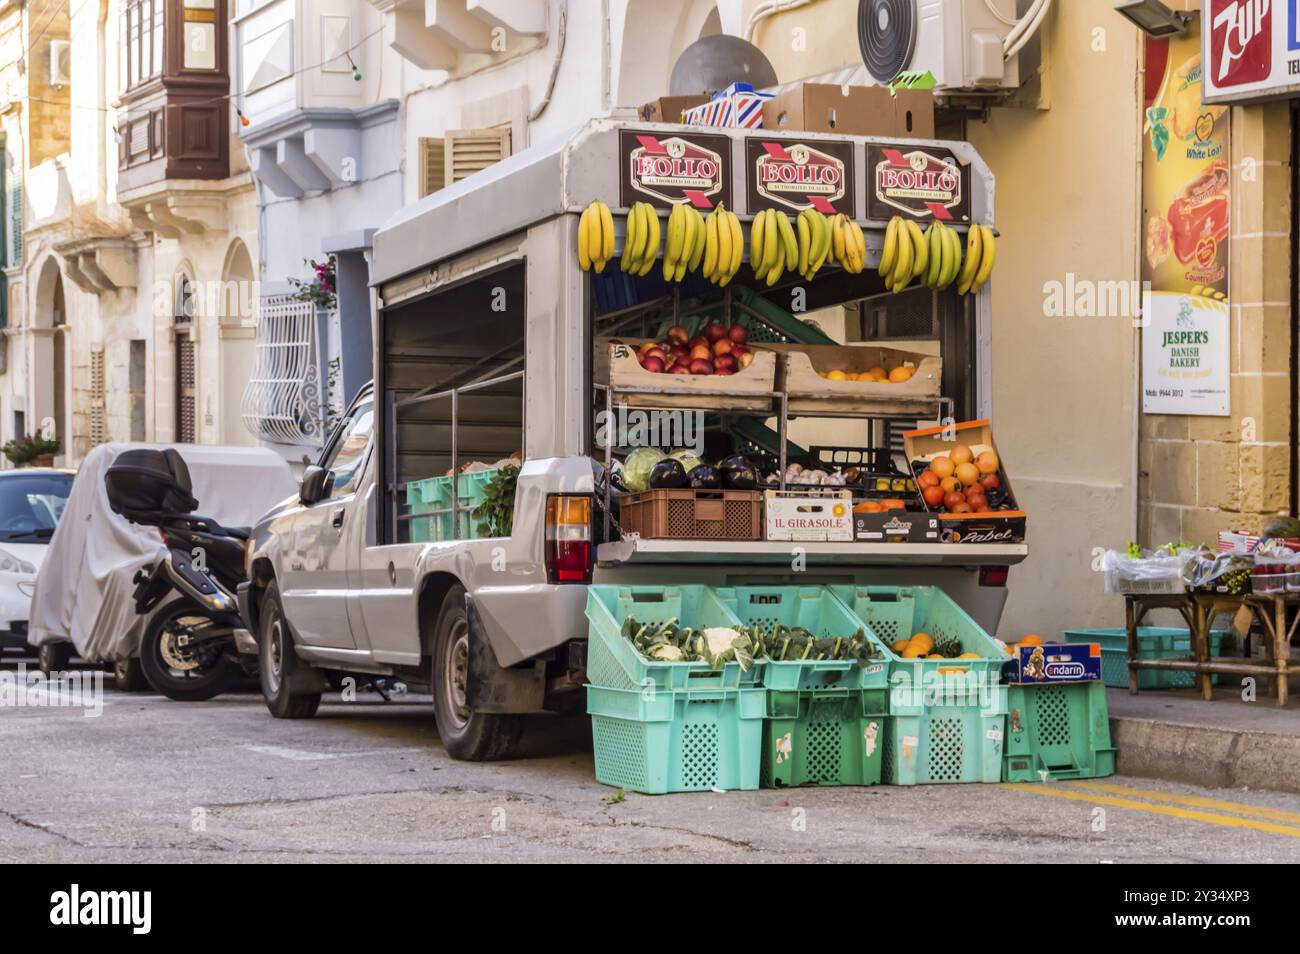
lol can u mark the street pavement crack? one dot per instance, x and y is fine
(23, 822)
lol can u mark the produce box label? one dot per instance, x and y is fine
(895, 527)
(1056, 662)
(792, 515)
(667, 169)
(793, 176)
(924, 184)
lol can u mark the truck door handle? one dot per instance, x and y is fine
(338, 516)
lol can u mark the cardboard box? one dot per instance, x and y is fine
(997, 526)
(896, 526)
(1055, 662)
(809, 516)
(670, 109)
(738, 106)
(852, 111)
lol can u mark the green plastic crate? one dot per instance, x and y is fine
(656, 742)
(816, 609)
(894, 613)
(1061, 729)
(1154, 642)
(614, 663)
(823, 737)
(942, 744)
(425, 498)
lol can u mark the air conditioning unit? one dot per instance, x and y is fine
(963, 43)
(60, 62)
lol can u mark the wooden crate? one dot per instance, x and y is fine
(692, 514)
(810, 393)
(615, 363)
(999, 526)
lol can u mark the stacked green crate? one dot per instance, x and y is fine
(1057, 730)
(825, 718)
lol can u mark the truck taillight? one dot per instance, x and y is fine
(994, 575)
(568, 539)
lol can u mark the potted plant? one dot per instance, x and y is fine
(31, 451)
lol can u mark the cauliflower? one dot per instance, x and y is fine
(666, 652)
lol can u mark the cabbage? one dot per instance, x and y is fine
(637, 467)
(687, 458)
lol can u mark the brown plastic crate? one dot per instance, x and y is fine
(690, 514)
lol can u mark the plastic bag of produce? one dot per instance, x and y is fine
(1153, 572)
(1207, 571)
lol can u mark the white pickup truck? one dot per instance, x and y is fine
(484, 335)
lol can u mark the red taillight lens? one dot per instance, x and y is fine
(994, 575)
(568, 539)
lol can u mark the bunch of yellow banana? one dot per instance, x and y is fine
(595, 236)
(981, 253)
(814, 241)
(944, 252)
(772, 246)
(906, 254)
(724, 245)
(848, 244)
(684, 248)
(641, 244)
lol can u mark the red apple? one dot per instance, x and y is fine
(645, 346)
(656, 352)
(738, 334)
(678, 334)
(952, 498)
(724, 361)
(739, 349)
(680, 369)
(653, 364)
(722, 346)
(701, 366)
(701, 353)
(933, 495)
(697, 341)
(990, 482)
(723, 371)
(714, 332)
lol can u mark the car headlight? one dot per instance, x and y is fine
(12, 564)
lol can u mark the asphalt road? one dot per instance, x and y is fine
(150, 780)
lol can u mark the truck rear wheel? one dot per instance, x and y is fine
(277, 662)
(467, 735)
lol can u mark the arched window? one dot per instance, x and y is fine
(185, 372)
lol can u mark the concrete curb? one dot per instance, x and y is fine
(1211, 757)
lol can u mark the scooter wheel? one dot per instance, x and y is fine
(177, 671)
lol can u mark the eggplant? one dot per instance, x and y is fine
(667, 474)
(704, 477)
(738, 473)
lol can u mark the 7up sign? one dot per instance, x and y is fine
(1250, 49)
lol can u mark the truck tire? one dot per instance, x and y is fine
(277, 662)
(53, 657)
(128, 675)
(466, 735)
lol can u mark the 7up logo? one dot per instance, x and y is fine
(1241, 41)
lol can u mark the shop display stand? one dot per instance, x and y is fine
(1199, 611)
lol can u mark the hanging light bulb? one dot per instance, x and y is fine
(243, 120)
(356, 70)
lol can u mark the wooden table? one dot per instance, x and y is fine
(1199, 611)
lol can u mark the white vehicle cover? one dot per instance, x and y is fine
(84, 586)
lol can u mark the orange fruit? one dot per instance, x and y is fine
(987, 462)
(967, 473)
(901, 374)
(950, 484)
(943, 466)
(878, 371)
(961, 454)
(1031, 640)
(836, 376)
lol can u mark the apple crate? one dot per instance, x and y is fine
(810, 393)
(692, 514)
(615, 363)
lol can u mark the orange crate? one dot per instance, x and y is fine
(690, 514)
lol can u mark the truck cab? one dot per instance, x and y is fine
(449, 529)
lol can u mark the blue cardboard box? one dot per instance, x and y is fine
(1054, 662)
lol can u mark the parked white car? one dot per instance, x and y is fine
(31, 502)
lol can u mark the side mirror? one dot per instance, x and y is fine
(315, 485)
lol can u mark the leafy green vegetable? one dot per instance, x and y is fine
(496, 514)
(791, 644)
(637, 467)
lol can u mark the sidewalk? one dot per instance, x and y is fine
(1224, 743)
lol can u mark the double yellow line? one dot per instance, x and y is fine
(1188, 807)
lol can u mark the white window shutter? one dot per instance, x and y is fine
(433, 165)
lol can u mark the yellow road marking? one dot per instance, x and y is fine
(1227, 821)
(1195, 801)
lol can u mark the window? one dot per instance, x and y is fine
(140, 41)
(184, 370)
(346, 456)
(31, 505)
(199, 34)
